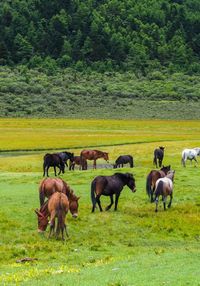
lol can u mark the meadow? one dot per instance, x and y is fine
(133, 246)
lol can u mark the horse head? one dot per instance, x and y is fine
(131, 182)
(42, 220)
(105, 156)
(73, 204)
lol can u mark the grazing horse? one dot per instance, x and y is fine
(158, 156)
(48, 186)
(77, 161)
(190, 154)
(164, 188)
(53, 160)
(92, 155)
(123, 159)
(152, 177)
(65, 156)
(108, 186)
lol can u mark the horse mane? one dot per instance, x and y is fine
(99, 152)
(69, 192)
(123, 176)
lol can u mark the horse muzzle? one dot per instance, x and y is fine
(41, 231)
(134, 190)
(75, 215)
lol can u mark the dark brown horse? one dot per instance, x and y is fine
(77, 161)
(92, 155)
(158, 156)
(53, 160)
(56, 207)
(164, 188)
(152, 177)
(123, 159)
(48, 186)
(108, 186)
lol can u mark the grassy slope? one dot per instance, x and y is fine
(134, 246)
(31, 93)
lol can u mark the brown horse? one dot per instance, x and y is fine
(56, 207)
(48, 186)
(164, 188)
(92, 155)
(152, 177)
(77, 161)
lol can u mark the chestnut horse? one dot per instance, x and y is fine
(164, 188)
(56, 207)
(48, 186)
(92, 155)
(152, 177)
(108, 186)
(77, 161)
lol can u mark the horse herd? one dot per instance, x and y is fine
(61, 198)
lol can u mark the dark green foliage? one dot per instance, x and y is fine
(112, 34)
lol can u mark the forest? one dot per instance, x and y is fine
(140, 36)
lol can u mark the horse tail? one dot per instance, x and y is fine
(159, 188)
(41, 193)
(93, 187)
(148, 185)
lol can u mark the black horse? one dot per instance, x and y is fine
(53, 160)
(108, 186)
(158, 156)
(65, 156)
(123, 159)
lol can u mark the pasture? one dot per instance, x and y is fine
(133, 246)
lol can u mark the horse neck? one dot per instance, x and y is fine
(44, 209)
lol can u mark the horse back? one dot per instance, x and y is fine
(58, 202)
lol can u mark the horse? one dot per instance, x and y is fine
(123, 159)
(53, 160)
(108, 186)
(65, 156)
(77, 161)
(48, 186)
(56, 206)
(190, 154)
(152, 177)
(164, 188)
(158, 156)
(92, 155)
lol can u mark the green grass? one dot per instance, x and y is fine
(133, 246)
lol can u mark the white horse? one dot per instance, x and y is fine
(190, 154)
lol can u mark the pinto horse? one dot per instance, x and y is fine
(53, 160)
(92, 155)
(158, 156)
(108, 186)
(152, 177)
(164, 188)
(65, 156)
(190, 154)
(48, 186)
(77, 161)
(123, 159)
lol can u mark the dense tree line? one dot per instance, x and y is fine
(103, 34)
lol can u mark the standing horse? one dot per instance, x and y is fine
(53, 160)
(48, 186)
(190, 154)
(158, 156)
(152, 177)
(123, 159)
(77, 161)
(92, 155)
(65, 156)
(164, 188)
(108, 186)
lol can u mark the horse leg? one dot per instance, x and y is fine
(95, 164)
(52, 227)
(99, 203)
(66, 232)
(111, 203)
(195, 159)
(44, 170)
(156, 200)
(116, 201)
(170, 202)
(164, 202)
(47, 169)
(55, 170)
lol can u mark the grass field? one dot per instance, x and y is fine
(133, 246)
